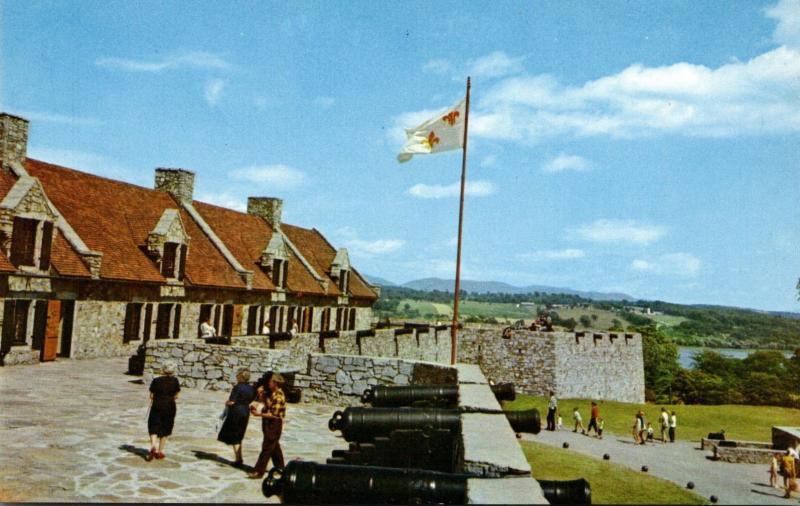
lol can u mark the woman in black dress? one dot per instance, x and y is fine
(238, 404)
(163, 392)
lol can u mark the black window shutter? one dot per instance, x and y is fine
(8, 324)
(176, 329)
(47, 243)
(148, 320)
(182, 266)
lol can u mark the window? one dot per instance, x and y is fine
(39, 324)
(23, 241)
(276, 314)
(352, 323)
(307, 318)
(280, 270)
(340, 318)
(133, 318)
(325, 323)
(25, 235)
(344, 280)
(163, 320)
(15, 322)
(252, 320)
(148, 321)
(227, 320)
(182, 264)
(205, 314)
(176, 324)
(168, 260)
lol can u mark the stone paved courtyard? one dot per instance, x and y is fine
(76, 430)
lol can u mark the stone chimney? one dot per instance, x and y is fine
(13, 139)
(268, 208)
(177, 182)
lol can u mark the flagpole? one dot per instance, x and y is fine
(454, 329)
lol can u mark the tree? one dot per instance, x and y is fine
(660, 356)
(586, 322)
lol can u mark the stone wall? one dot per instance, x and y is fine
(211, 366)
(582, 365)
(98, 329)
(341, 379)
(599, 366)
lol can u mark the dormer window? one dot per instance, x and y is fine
(344, 281)
(173, 261)
(280, 271)
(31, 242)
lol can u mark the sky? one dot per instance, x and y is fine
(649, 148)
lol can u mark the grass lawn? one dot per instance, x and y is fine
(751, 423)
(611, 483)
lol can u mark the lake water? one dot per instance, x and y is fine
(686, 353)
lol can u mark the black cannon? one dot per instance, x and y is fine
(718, 436)
(363, 424)
(567, 492)
(293, 393)
(436, 450)
(433, 395)
(311, 483)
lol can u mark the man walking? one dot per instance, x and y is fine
(552, 407)
(593, 418)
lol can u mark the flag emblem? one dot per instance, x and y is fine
(442, 132)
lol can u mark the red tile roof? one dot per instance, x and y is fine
(65, 260)
(115, 218)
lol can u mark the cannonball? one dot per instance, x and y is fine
(714, 499)
(606, 456)
(645, 469)
(690, 485)
(519, 436)
(565, 445)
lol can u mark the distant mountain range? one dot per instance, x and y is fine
(446, 285)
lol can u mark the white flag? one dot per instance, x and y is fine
(443, 132)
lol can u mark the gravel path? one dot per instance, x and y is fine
(76, 431)
(679, 462)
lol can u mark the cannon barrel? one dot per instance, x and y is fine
(311, 483)
(567, 492)
(525, 421)
(364, 424)
(438, 395)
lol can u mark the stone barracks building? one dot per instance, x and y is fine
(93, 267)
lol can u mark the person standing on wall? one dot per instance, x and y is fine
(552, 407)
(673, 423)
(272, 415)
(238, 404)
(593, 418)
(163, 392)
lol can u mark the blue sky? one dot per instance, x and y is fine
(643, 147)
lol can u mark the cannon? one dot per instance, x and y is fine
(303, 482)
(433, 395)
(567, 492)
(363, 424)
(293, 393)
(436, 450)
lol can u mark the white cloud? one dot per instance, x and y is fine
(472, 189)
(563, 254)
(213, 90)
(496, 64)
(740, 98)
(677, 264)
(787, 14)
(223, 199)
(324, 102)
(620, 231)
(279, 176)
(61, 119)
(493, 65)
(186, 59)
(489, 161)
(364, 248)
(564, 162)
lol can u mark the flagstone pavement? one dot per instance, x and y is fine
(76, 431)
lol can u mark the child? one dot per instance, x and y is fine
(560, 422)
(600, 423)
(773, 471)
(576, 415)
(649, 432)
